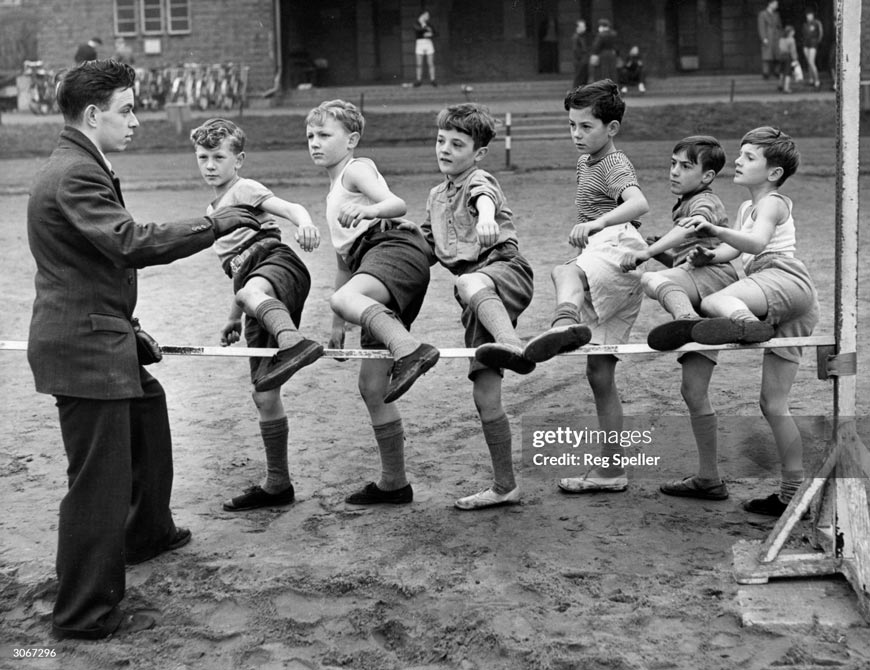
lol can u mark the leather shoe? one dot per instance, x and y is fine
(255, 498)
(372, 495)
(134, 622)
(180, 538)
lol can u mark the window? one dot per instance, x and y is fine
(125, 17)
(151, 17)
(179, 16)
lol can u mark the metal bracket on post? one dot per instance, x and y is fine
(830, 364)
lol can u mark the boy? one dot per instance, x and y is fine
(695, 163)
(270, 283)
(775, 299)
(471, 232)
(381, 280)
(609, 203)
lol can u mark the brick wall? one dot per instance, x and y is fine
(240, 31)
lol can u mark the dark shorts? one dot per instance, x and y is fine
(399, 259)
(514, 284)
(289, 278)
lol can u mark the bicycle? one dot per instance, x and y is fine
(42, 93)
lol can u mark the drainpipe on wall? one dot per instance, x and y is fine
(276, 83)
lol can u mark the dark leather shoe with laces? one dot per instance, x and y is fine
(372, 495)
(287, 362)
(671, 335)
(407, 369)
(503, 356)
(769, 506)
(255, 498)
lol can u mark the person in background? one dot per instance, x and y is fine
(88, 50)
(812, 33)
(631, 73)
(581, 54)
(123, 51)
(604, 54)
(424, 47)
(788, 59)
(769, 29)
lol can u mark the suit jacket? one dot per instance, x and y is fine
(87, 248)
(769, 28)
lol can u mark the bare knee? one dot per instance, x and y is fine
(562, 272)
(268, 402)
(601, 373)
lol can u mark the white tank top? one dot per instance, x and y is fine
(343, 238)
(784, 240)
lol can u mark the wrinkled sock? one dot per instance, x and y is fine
(491, 312)
(497, 434)
(566, 314)
(705, 428)
(790, 481)
(675, 300)
(743, 315)
(275, 436)
(275, 318)
(385, 327)
(391, 447)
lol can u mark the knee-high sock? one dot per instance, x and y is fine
(706, 428)
(384, 325)
(566, 314)
(275, 317)
(497, 434)
(275, 435)
(675, 300)
(492, 314)
(391, 447)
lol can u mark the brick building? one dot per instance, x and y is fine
(341, 42)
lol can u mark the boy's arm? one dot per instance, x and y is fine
(487, 228)
(768, 214)
(361, 177)
(308, 236)
(631, 259)
(232, 330)
(632, 207)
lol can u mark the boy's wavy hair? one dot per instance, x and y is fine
(214, 131)
(346, 113)
(703, 150)
(601, 96)
(93, 82)
(471, 119)
(778, 148)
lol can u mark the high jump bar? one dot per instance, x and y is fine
(591, 350)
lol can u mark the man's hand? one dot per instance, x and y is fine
(231, 332)
(227, 219)
(308, 237)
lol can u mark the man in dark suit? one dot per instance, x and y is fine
(82, 349)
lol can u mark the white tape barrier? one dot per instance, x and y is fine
(589, 350)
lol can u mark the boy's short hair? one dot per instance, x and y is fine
(703, 150)
(601, 96)
(469, 118)
(214, 131)
(346, 113)
(778, 148)
(92, 83)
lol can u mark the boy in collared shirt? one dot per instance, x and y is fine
(471, 232)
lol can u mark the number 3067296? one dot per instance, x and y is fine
(38, 652)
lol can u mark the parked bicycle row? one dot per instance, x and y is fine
(218, 86)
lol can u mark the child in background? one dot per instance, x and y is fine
(695, 162)
(471, 232)
(381, 280)
(788, 59)
(270, 285)
(775, 299)
(592, 287)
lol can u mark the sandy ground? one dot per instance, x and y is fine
(634, 580)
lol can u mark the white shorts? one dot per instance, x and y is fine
(613, 301)
(424, 47)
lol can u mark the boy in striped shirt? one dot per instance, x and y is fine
(592, 288)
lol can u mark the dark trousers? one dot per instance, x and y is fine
(117, 506)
